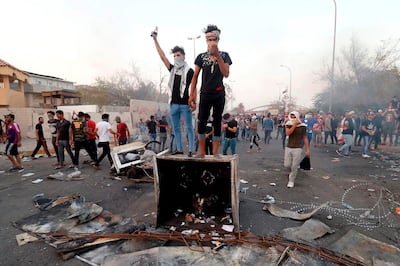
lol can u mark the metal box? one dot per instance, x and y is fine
(182, 182)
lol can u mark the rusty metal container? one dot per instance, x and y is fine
(182, 184)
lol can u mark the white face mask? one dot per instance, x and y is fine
(179, 62)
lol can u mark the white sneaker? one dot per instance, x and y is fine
(365, 156)
(290, 184)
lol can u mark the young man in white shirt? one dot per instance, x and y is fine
(103, 130)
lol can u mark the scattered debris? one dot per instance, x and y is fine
(41, 202)
(308, 231)
(74, 176)
(272, 184)
(25, 238)
(366, 249)
(28, 174)
(242, 181)
(36, 181)
(326, 177)
(84, 211)
(243, 190)
(277, 211)
(228, 227)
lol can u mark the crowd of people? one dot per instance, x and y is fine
(70, 136)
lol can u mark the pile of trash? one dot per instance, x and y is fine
(84, 230)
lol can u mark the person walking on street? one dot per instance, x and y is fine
(230, 128)
(328, 128)
(347, 132)
(40, 140)
(368, 129)
(253, 134)
(163, 125)
(91, 137)
(79, 138)
(103, 130)
(152, 127)
(52, 123)
(214, 65)
(268, 126)
(64, 133)
(179, 81)
(122, 131)
(13, 132)
(297, 133)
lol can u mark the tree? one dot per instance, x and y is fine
(122, 86)
(238, 109)
(362, 81)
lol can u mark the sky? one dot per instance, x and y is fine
(79, 40)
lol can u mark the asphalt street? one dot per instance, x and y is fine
(351, 185)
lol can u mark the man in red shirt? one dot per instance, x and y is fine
(91, 136)
(122, 131)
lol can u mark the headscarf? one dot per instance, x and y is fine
(292, 120)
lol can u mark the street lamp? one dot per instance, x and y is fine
(194, 45)
(333, 61)
(290, 84)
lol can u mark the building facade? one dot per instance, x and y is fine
(26, 89)
(12, 84)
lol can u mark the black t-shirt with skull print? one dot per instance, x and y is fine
(211, 75)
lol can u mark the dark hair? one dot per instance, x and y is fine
(59, 112)
(210, 28)
(226, 116)
(105, 116)
(178, 49)
(87, 115)
(80, 114)
(40, 117)
(51, 112)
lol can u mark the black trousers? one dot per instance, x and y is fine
(39, 144)
(78, 146)
(106, 152)
(217, 103)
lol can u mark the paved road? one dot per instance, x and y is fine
(354, 181)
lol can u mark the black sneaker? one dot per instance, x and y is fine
(177, 153)
(20, 170)
(339, 153)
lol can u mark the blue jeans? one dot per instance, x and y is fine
(348, 141)
(367, 140)
(64, 144)
(229, 143)
(177, 112)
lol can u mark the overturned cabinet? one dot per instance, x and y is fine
(198, 193)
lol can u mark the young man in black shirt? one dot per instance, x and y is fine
(40, 140)
(215, 66)
(64, 134)
(230, 127)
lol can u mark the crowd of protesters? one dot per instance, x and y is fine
(367, 129)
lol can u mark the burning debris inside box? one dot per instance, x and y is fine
(200, 194)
